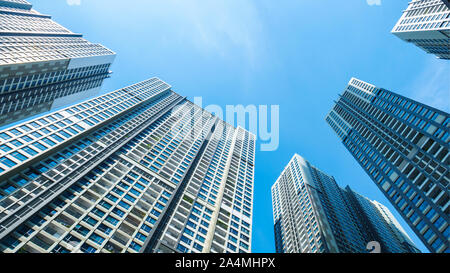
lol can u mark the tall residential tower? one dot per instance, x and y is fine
(426, 23)
(140, 169)
(41, 61)
(403, 146)
(312, 214)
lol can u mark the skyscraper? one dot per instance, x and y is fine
(403, 146)
(41, 61)
(140, 169)
(378, 224)
(312, 214)
(426, 23)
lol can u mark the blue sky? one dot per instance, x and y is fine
(298, 54)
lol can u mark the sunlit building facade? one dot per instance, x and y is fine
(403, 146)
(140, 169)
(41, 61)
(312, 214)
(426, 23)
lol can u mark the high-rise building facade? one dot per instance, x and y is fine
(140, 169)
(378, 224)
(41, 61)
(426, 23)
(312, 214)
(403, 146)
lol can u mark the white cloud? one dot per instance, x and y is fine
(222, 27)
(73, 2)
(374, 2)
(432, 87)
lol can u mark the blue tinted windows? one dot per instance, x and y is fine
(19, 156)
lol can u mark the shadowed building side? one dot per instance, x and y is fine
(41, 61)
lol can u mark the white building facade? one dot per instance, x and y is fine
(426, 23)
(140, 169)
(312, 214)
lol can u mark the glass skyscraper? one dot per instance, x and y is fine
(312, 214)
(140, 169)
(41, 61)
(426, 23)
(403, 146)
(379, 224)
